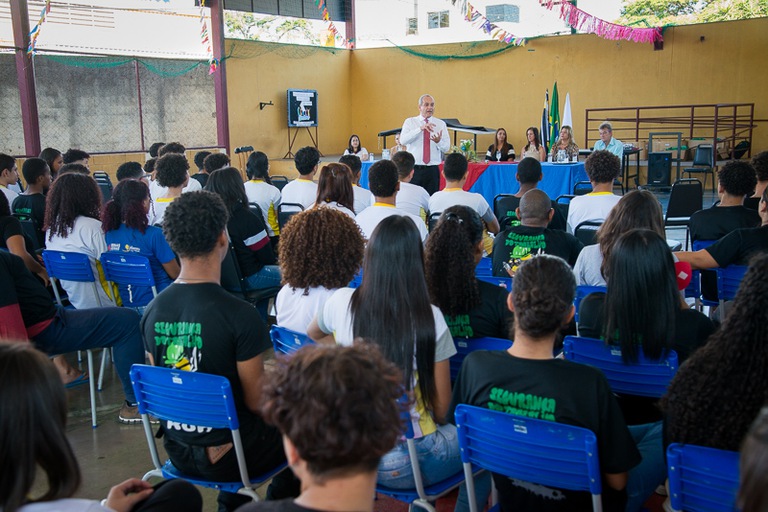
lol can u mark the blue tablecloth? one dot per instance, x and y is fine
(497, 179)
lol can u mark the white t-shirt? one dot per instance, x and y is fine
(87, 238)
(363, 198)
(441, 201)
(369, 218)
(593, 206)
(156, 190)
(413, 199)
(336, 206)
(301, 191)
(295, 310)
(268, 198)
(157, 209)
(10, 194)
(65, 505)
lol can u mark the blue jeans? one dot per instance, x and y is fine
(268, 277)
(82, 329)
(652, 470)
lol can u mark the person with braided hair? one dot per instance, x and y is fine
(527, 380)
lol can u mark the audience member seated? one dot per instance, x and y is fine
(760, 163)
(12, 239)
(155, 148)
(131, 171)
(719, 391)
(334, 189)
(33, 437)
(410, 198)
(534, 148)
(455, 172)
(735, 248)
(363, 197)
(754, 467)
(532, 237)
(565, 143)
(526, 380)
(472, 308)
(54, 160)
(602, 168)
(336, 465)
(195, 325)
(528, 175)
(501, 150)
(58, 331)
(303, 190)
(72, 225)
(638, 209)
(607, 142)
(260, 190)
(172, 175)
(736, 180)
(321, 250)
(355, 147)
(126, 229)
(155, 188)
(247, 231)
(74, 168)
(382, 180)
(9, 175)
(76, 156)
(202, 174)
(214, 162)
(31, 204)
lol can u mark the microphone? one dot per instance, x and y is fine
(243, 149)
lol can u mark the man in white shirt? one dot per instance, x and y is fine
(455, 170)
(602, 168)
(607, 142)
(382, 180)
(9, 175)
(363, 197)
(426, 138)
(303, 190)
(410, 198)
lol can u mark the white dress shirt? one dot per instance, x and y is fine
(411, 136)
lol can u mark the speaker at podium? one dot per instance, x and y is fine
(659, 169)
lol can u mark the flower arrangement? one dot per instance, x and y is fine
(465, 148)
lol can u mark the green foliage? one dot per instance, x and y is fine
(244, 25)
(679, 12)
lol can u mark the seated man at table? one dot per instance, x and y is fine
(607, 141)
(528, 175)
(455, 171)
(532, 237)
(602, 167)
(411, 198)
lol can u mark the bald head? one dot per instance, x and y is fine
(535, 207)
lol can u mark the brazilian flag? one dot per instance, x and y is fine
(554, 116)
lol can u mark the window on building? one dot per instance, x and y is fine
(411, 26)
(503, 12)
(437, 19)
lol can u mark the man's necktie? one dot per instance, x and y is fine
(425, 148)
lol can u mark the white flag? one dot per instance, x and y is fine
(567, 121)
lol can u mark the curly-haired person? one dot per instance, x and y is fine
(602, 168)
(353, 391)
(760, 163)
(472, 308)
(320, 251)
(172, 176)
(717, 394)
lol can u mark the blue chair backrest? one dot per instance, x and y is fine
(702, 479)
(127, 269)
(466, 345)
(504, 282)
(69, 266)
(483, 268)
(537, 451)
(192, 398)
(646, 377)
(728, 281)
(286, 341)
(581, 292)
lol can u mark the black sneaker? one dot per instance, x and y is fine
(129, 414)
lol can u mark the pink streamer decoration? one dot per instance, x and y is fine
(581, 20)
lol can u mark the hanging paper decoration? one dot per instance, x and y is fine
(583, 21)
(36, 31)
(213, 62)
(348, 43)
(479, 21)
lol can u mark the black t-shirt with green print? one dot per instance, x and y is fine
(490, 318)
(519, 243)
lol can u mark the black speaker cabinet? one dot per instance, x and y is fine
(659, 169)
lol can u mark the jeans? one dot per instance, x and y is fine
(268, 277)
(652, 470)
(82, 329)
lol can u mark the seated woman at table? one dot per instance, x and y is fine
(355, 147)
(534, 149)
(565, 143)
(501, 150)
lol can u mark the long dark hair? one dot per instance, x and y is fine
(335, 184)
(126, 206)
(33, 415)
(228, 184)
(642, 295)
(392, 307)
(450, 260)
(49, 155)
(72, 195)
(720, 389)
(536, 139)
(504, 147)
(257, 167)
(359, 145)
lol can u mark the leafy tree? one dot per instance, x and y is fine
(662, 12)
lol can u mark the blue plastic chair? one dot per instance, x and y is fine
(198, 399)
(537, 451)
(581, 292)
(702, 479)
(504, 282)
(484, 267)
(728, 281)
(127, 269)
(75, 266)
(466, 345)
(287, 341)
(694, 288)
(646, 377)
